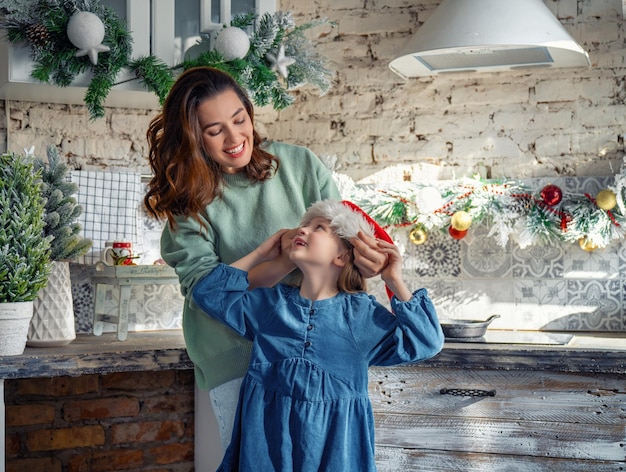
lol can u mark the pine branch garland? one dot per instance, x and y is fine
(154, 74)
(43, 26)
(510, 209)
(56, 61)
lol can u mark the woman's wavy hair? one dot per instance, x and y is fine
(185, 177)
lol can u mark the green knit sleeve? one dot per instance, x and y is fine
(190, 250)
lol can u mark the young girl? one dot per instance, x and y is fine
(304, 405)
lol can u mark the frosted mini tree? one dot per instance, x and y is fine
(62, 209)
(24, 249)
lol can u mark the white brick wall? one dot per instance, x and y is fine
(516, 124)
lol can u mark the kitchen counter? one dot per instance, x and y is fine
(496, 406)
(585, 352)
(89, 354)
(165, 350)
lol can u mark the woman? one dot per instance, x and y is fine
(304, 404)
(224, 191)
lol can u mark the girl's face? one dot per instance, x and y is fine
(227, 131)
(316, 243)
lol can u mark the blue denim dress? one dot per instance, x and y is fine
(304, 405)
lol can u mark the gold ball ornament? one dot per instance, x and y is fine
(587, 245)
(418, 236)
(461, 220)
(606, 199)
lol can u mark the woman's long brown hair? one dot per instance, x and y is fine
(185, 178)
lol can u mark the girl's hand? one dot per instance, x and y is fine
(392, 273)
(286, 240)
(273, 246)
(368, 257)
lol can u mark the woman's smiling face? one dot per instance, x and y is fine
(227, 131)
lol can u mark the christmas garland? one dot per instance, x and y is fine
(275, 59)
(511, 209)
(70, 37)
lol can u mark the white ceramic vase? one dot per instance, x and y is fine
(14, 321)
(53, 318)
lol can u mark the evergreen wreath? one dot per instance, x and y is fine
(42, 25)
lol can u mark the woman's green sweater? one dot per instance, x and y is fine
(245, 216)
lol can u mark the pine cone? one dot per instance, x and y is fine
(38, 35)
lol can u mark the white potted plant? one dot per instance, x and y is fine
(53, 321)
(24, 249)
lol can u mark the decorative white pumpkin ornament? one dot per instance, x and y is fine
(86, 31)
(232, 43)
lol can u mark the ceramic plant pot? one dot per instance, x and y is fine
(14, 321)
(53, 318)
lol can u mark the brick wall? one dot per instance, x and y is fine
(134, 421)
(541, 123)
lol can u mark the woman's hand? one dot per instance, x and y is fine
(368, 257)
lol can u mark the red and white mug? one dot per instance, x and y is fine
(117, 253)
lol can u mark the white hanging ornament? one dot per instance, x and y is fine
(232, 43)
(280, 62)
(86, 31)
(428, 199)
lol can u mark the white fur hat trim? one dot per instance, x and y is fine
(344, 221)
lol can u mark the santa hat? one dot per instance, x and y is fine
(346, 220)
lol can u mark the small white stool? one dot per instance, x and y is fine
(122, 278)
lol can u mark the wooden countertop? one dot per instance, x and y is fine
(89, 354)
(586, 352)
(165, 350)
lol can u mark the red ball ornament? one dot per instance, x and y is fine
(551, 195)
(456, 234)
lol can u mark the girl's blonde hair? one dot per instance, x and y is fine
(346, 224)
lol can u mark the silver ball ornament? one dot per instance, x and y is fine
(232, 43)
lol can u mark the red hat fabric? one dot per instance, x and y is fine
(379, 232)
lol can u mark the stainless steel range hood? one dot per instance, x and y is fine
(488, 36)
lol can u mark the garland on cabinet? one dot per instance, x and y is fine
(510, 208)
(71, 37)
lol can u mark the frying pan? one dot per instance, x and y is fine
(466, 328)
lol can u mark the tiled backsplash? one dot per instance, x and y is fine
(559, 287)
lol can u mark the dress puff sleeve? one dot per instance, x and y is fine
(413, 334)
(223, 294)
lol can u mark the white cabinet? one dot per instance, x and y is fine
(164, 28)
(215, 13)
